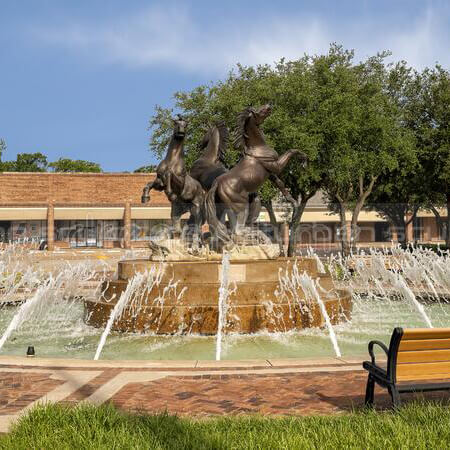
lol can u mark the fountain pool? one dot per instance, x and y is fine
(388, 289)
(70, 337)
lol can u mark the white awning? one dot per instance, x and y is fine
(150, 212)
(23, 213)
(89, 213)
(322, 216)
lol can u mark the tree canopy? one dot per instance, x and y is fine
(74, 165)
(353, 119)
(37, 162)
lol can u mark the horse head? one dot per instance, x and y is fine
(249, 117)
(262, 113)
(179, 129)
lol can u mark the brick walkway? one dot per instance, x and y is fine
(294, 387)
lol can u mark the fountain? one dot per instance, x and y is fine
(254, 301)
(251, 263)
(223, 294)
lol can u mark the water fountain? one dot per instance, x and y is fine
(255, 300)
(53, 318)
(233, 297)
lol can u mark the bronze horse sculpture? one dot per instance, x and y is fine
(184, 192)
(232, 190)
(211, 165)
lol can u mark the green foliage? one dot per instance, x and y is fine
(26, 162)
(287, 86)
(151, 168)
(429, 118)
(74, 165)
(417, 425)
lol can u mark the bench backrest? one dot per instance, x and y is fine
(419, 354)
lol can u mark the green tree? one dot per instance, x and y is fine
(429, 118)
(74, 165)
(362, 132)
(26, 162)
(287, 86)
(150, 168)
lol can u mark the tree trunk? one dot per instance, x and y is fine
(363, 194)
(273, 221)
(295, 220)
(441, 225)
(344, 235)
(407, 222)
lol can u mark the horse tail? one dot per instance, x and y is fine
(211, 214)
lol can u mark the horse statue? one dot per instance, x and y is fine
(211, 165)
(184, 192)
(231, 190)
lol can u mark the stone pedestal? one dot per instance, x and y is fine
(186, 297)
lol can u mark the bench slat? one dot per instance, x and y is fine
(407, 371)
(424, 379)
(423, 356)
(426, 344)
(426, 333)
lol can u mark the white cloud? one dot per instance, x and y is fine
(171, 36)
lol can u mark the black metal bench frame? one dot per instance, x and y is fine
(388, 378)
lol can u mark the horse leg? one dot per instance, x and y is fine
(197, 218)
(146, 192)
(254, 208)
(281, 186)
(168, 189)
(176, 212)
(278, 166)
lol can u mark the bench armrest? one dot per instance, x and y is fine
(380, 344)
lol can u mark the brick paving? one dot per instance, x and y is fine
(304, 393)
(302, 389)
(17, 390)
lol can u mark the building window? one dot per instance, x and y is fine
(111, 230)
(26, 231)
(140, 230)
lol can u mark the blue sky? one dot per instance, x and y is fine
(80, 79)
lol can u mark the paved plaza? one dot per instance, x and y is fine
(191, 388)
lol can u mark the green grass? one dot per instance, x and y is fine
(418, 426)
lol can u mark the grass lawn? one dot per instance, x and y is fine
(418, 426)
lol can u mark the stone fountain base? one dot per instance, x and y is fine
(186, 298)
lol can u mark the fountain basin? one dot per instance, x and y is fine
(186, 298)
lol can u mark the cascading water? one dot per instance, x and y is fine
(309, 286)
(26, 309)
(47, 293)
(137, 289)
(390, 287)
(289, 285)
(409, 295)
(223, 305)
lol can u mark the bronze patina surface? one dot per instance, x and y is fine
(184, 192)
(232, 191)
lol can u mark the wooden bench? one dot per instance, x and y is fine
(418, 360)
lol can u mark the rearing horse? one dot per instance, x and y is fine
(184, 193)
(231, 190)
(210, 165)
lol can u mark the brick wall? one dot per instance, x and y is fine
(100, 189)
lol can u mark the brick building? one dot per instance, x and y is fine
(104, 210)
